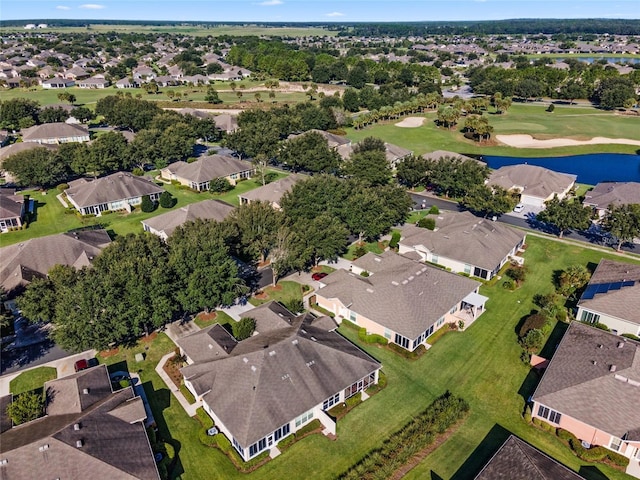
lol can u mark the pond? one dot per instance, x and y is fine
(590, 169)
(588, 59)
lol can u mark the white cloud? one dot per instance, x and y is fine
(334, 14)
(92, 6)
(271, 3)
(63, 7)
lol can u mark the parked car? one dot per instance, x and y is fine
(82, 364)
(319, 276)
(518, 208)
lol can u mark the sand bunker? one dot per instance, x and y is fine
(411, 122)
(527, 141)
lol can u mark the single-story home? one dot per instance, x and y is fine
(198, 175)
(164, 225)
(464, 243)
(94, 82)
(75, 73)
(12, 210)
(605, 194)
(535, 185)
(591, 389)
(89, 431)
(401, 299)
(33, 258)
(226, 123)
(118, 191)
(57, 82)
(127, 83)
(271, 192)
(333, 141)
(517, 460)
(393, 153)
(144, 73)
(260, 390)
(612, 297)
(58, 132)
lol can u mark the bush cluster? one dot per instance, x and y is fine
(593, 454)
(428, 223)
(371, 338)
(419, 433)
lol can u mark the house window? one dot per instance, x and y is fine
(360, 385)
(238, 447)
(331, 401)
(387, 333)
(353, 316)
(548, 414)
(283, 431)
(434, 258)
(590, 317)
(402, 341)
(616, 443)
(304, 418)
(441, 319)
(467, 269)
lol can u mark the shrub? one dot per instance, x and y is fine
(428, 223)
(26, 407)
(631, 336)
(147, 205)
(517, 274)
(565, 435)
(594, 454)
(295, 305)
(244, 328)
(617, 459)
(534, 321)
(551, 108)
(364, 273)
(532, 341)
(395, 239)
(371, 338)
(527, 414)
(350, 324)
(359, 251)
(62, 187)
(601, 326)
(167, 200)
(270, 177)
(220, 185)
(434, 210)
(138, 172)
(509, 284)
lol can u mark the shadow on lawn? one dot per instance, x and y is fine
(482, 453)
(160, 400)
(590, 472)
(554, 339)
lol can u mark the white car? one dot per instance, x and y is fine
(518, 208)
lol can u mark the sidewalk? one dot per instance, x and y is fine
(236, 311)
(189, 408)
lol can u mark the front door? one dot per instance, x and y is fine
(270, 441)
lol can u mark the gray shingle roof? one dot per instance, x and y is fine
(35, 257)
(208, 209)
(537, 181)
(613, 193)
(438, 154)
(392, 153)
(112, 188)
(273, 192)
(10, 205)
(332, 139)
(111, 445)
(401, 294)
(9, 150)
(52, 131)
(623, 303)
(517, 460)
(464, 237)
(209, 167)
(579, 382)
(271, 378)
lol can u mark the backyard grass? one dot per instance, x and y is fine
(53, 218)
(576, 122)
(284, 292)
(482, 365)
(220, 317)
(32, 379)
(375, 247)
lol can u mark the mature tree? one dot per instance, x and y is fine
(309, 152)
(126, 112)
(478, 126)
(36, 167)
(623, 222)
(357, 77)
(613, 92)
(565, 214)
(38, 302)
(572, 90)
(350, 100)
(448, 115)
(17, 112)
(369, 166)
(314, 196)
(572, 278)
(108, 153)
(175, 143)
(244, 328)
(287, 253)
(53, 114)
(529, 88)
(143, 150)
(212, 94)
(255, 138)
(26, 407)
(488, 200)
(369, 144)
(167, 200)
(207, 276)
(455, 177)
(67, 97)
(82, 114)
(258, 225)
(412, 171)
(321, 238)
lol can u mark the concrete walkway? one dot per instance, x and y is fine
(189, 408)
(236, 311)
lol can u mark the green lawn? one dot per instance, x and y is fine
(284, 292)
(576, 122)
(221, 317)
(53, 218)
(481, 364)
(375, 247)
(32, 379)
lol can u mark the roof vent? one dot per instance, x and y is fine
(253, 368)
(377, 259)
(210, 347)
(404, 282)
(76, 426)
(44, 447)
(4, 461)
(272, 353)
(369, 290)
(294, 342)
(393, 282)
(312, 362)
(314, 339)
(245, 360)
(612, 368)
(593, 362)
(620, 344)
(600, 345)
(79, 444)
(85, 391)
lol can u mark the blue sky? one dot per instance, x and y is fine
(316, 10)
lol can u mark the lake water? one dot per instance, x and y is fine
(591, 169)
(608, 59)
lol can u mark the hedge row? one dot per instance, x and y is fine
(593, 454)
(419, 433)
(372, 338)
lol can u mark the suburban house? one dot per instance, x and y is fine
(53, 133)
(164, 225)
(198, 175)
(591, 389)
(265, 388)
(127, 83)
(75, 73)
(271, 192)
(612, 297)
(33, 258)
(10, 150)
(12, 210)
(464, 243)
(605, 194)
(57, 82)
(535, 185)
(89, 431)
(144, 73)
(94, 82)
(517, 460)
(118, 191)
(333, 141)
(403, 300)
(393, 153)
(226, 123)
(439, 154)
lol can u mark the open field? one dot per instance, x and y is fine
(482, 365)
(193, 30)
(53, 218)
(576, 122)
